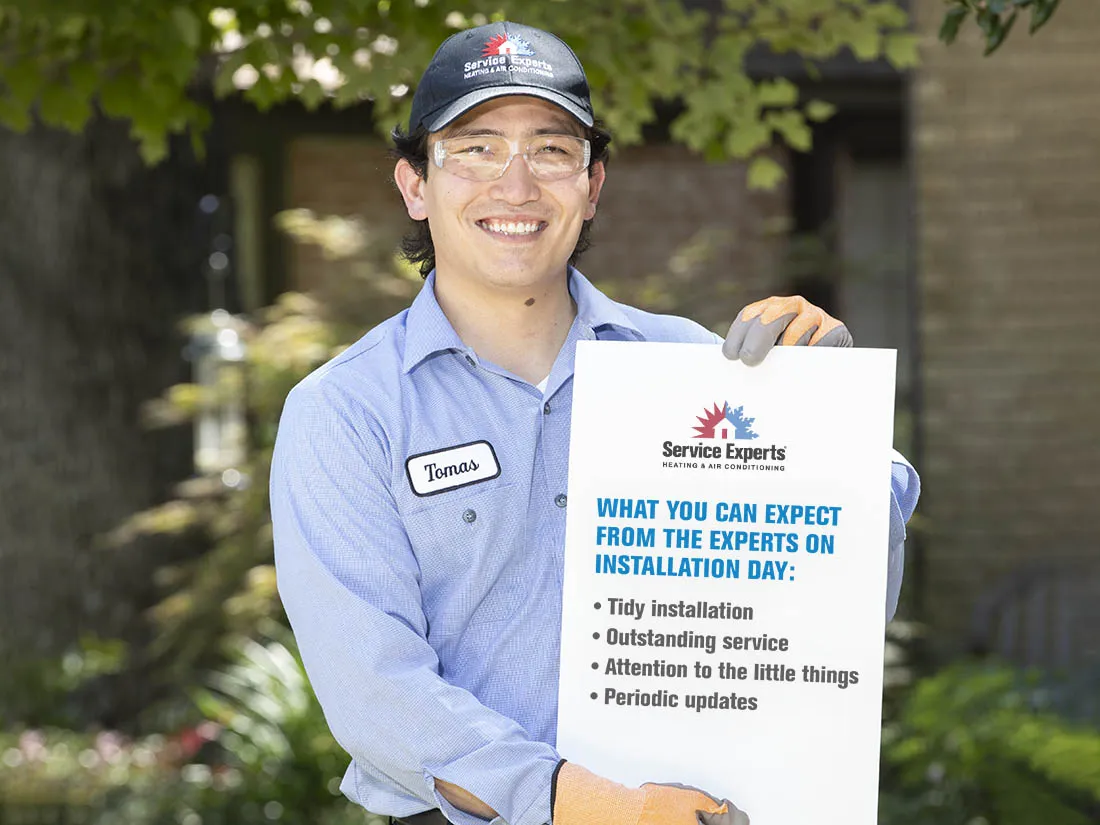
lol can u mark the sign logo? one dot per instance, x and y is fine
(503, 44)
(726, 422)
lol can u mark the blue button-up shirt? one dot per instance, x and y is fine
(430, 625)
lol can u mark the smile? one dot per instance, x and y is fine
(512, 227)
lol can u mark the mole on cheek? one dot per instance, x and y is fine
(528, 302)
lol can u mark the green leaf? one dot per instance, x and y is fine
(24, 80)
(901, 50)
(994, 40)
(188, 25)
(887, 15)
(83, 78)
(988, 23)
(746, 138)
(792, 127)
(1041, 13)
(778, 92)
(14, 115)
(60, 105)
(72, 27)
(765, 173)
(152, 144)
(951, 23)
(865, 42)
(819, 111)
(119, 94)
(312, 94)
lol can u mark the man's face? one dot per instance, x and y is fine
(513, 232)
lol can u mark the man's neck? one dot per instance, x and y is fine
(521, 330)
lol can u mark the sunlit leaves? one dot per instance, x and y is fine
(139, 60)
(778, 92)
(791, 126)
(901, 50)
(765, 173)
(996, 740)
(818, 111)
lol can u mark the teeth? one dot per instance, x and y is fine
(511, 227)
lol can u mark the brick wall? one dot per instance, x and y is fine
(1007, 174)
(673, 233)
(347, 176)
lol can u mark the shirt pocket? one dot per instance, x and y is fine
(469, 544)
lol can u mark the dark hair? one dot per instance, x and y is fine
(417, 246)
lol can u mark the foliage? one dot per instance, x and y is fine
(140, 61)
(230, 589)
(981, 743)
(273, 733)
(995, 18)
(57, 769)
(261, 754)
(48, 691)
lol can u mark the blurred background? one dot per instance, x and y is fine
(196, 209)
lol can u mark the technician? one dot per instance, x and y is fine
(418, 485)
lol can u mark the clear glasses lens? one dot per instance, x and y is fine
(486, 157)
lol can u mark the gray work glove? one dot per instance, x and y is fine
(733, 816)
(759, 326)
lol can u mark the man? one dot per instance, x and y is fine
(418, 484)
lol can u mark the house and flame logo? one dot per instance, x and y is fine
(725, 422)
(730, 424)
(507, 44)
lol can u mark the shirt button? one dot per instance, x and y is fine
(546, 408)
(470, 360)
(561, 499)
(469, 517)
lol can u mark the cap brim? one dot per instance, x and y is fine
(437, 120)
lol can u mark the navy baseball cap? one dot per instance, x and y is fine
(496, 60)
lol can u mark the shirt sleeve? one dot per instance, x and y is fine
(349, 581)
(904, 492)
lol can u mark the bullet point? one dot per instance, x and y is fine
(592, 695)
(597, 605)
(595, 635)
(595, 665)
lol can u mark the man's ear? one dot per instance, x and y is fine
(595, 184)
(411, 186)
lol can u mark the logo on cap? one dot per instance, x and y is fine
(503, 44)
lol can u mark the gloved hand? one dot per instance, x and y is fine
(758, 327)
(580, 797)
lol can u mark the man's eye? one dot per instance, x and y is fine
(474, 150)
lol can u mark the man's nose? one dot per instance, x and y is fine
(517, 184)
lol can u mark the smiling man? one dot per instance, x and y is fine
(419, 479)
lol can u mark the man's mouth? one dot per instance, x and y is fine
(511, 228)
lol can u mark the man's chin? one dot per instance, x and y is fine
(515, 275)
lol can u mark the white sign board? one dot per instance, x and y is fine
(725, 574)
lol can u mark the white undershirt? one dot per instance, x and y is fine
(542, 385)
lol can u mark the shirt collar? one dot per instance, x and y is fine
(427, 330)
(597, 310)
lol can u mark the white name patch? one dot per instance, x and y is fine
(451, 468)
